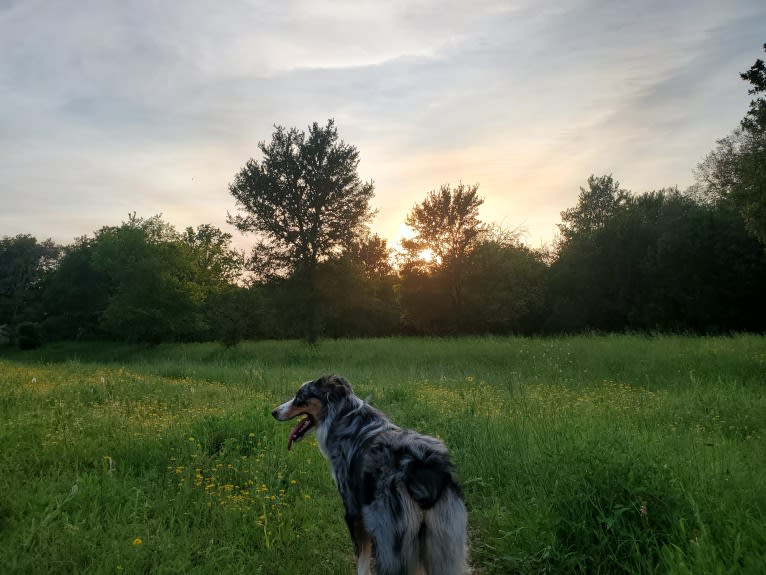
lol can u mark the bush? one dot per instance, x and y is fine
(28, 336)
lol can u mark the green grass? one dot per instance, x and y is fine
(619, 454)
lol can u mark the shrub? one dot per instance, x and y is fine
(28, 336)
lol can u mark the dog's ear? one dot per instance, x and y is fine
(334, 387)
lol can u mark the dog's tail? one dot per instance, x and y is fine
(431, 482)
(443, 535)
(417, 518)
(412, 540)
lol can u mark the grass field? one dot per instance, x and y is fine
(619, 454)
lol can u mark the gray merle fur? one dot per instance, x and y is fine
(403, 503)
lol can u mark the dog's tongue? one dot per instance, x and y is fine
(298, 431)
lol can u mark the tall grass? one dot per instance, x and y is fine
(614, 454)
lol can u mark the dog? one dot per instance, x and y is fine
(403, 502)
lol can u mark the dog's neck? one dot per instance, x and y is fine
(337, 425)
(334, 412)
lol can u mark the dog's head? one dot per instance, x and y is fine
(312, 400)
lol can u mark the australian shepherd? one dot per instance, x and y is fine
(404, 505)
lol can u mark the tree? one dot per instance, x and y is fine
(578, 281)
(228, 311)
(701, 271)
(218, 264)
(662, 262)
(735, 171)
(358, 293)
(25, 264)
(447, 228)
(76, 294)
(755, 120)
(234, 312)
(595, 206)
(372, 252)
(446, 223)
(143, 281)
(306, 202)
(505, 287)
(155, 293)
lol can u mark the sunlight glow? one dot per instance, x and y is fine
(427, 255)
(405, 232)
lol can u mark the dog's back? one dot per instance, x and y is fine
(411, 504)
(423, 502)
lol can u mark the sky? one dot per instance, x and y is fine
(109, 108)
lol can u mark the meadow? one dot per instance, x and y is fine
(591, 454)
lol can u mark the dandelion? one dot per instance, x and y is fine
(137, 541)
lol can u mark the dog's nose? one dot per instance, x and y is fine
(274, 412)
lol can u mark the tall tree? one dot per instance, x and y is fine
(306, 202)
(447, 228)
(595, 206)
(755, 120)
(735, 171)
(578, 282)
(446, 223)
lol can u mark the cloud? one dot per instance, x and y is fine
(153, 107)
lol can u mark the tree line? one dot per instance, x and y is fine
(665, 260)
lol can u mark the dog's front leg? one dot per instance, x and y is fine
(362, 545)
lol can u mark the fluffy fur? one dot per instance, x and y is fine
(404, 506)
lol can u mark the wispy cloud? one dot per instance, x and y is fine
(153, 107)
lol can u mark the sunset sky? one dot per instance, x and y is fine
(113, 107)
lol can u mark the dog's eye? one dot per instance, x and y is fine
(300, 399)
(304, 394)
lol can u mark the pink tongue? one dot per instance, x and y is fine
(295, 434)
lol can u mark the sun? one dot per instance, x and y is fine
(427, 255)
(407, 233)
